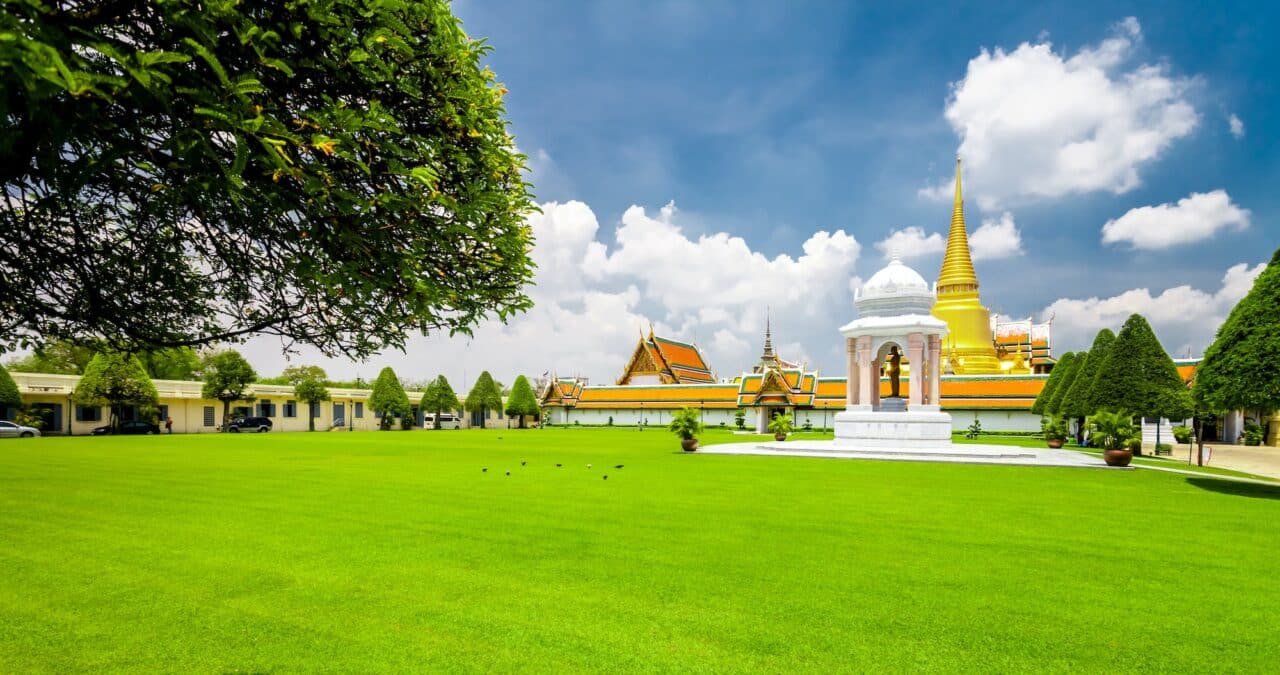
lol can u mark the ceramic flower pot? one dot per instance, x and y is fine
(1055, 442)
(1118, 457)
(779, 437)
(689, 444)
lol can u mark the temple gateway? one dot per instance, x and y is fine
(990, 369)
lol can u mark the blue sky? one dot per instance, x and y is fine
(771, 122)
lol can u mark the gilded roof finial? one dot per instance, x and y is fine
(768, 335)
(957, 263)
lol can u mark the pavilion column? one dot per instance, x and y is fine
(868, 379)
(935, 369)
(915, 356)
(851, 384)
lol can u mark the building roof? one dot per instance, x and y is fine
(672, 361)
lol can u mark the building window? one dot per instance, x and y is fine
(164, 413)
(290, 408)
(266, 409)
(315, 410)
(339, 412)
(88, 413)
(208, 416)
(359, 410)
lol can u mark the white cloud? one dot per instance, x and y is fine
(1236, 126)
(1035, 123)
(995, 239)
(911, 242)
(1194, 218)
(591, 301)
(1184, 318)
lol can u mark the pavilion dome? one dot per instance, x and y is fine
(894, 290)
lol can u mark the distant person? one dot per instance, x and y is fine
(168, 424)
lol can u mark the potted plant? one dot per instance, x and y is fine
(686, 424)
(1117, 434)
(781, 426)
(1054, 428)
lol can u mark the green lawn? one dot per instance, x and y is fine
(393, 551)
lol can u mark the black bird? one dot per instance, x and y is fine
(617, 466)
(508, 473)
(522, 463)
(484, 470)
(557, 466)
(606, 476)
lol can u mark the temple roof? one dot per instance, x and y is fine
(672, 361)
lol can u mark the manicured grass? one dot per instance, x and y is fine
(393, 551)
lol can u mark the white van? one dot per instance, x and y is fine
(447, 421)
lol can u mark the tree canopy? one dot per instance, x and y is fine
(1241, 369)
(484, 396)
(309, 386)
(1139, 376)
(337, 172)
(115, 380)
(522, 400)
(439, 397)
(1041, 403)
(1068, 376)
(173, 363)
(10, 397)
(1078, 401)
(388, 398)
(228, 377)
(60, 357)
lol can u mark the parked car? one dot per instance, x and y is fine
(446, 420)
(258, 424)
(11, 430)
(130, 427)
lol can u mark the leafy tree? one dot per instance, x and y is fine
(439, 397)
(184, 173)
(1139, 376)
(388, 398)
(1078, 401)
(173, 363)
(1068, 376)
(116, 380)
(484, 396)
(61, 357)
(10, 397)
(227, 378)
(309, 386)
(1050, 385)
(1241, 369)
(522, 401)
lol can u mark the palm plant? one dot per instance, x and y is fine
(781, 425)
(686, 424)
(1113, 429)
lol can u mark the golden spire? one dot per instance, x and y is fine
(957, 265)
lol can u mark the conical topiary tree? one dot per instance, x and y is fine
(1051, 385)
(1241, 369)
(438, 398)
(1139, 376)
(388, 398)
(116, 380)
(1078, 401)
(1068, 376)
(484, 396)
(10, 397)
(522, 401)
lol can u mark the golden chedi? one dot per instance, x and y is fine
(968, 348)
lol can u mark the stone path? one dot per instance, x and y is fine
(956, 454)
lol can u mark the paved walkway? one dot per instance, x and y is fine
(956, 454)
(1260, 460)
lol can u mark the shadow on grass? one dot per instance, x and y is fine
(1239, 489)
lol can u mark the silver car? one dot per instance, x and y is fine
(11, 430)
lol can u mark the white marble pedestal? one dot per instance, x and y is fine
(920, 428)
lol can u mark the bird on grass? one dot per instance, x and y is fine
(617, 466)
(522, 462)
(606, 476)
(588, 466)
(508, 473)
(557, 466)
(484, 470)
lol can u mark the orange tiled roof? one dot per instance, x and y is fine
(683, 360)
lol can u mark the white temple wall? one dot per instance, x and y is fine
(994, 420)
(633, 417)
